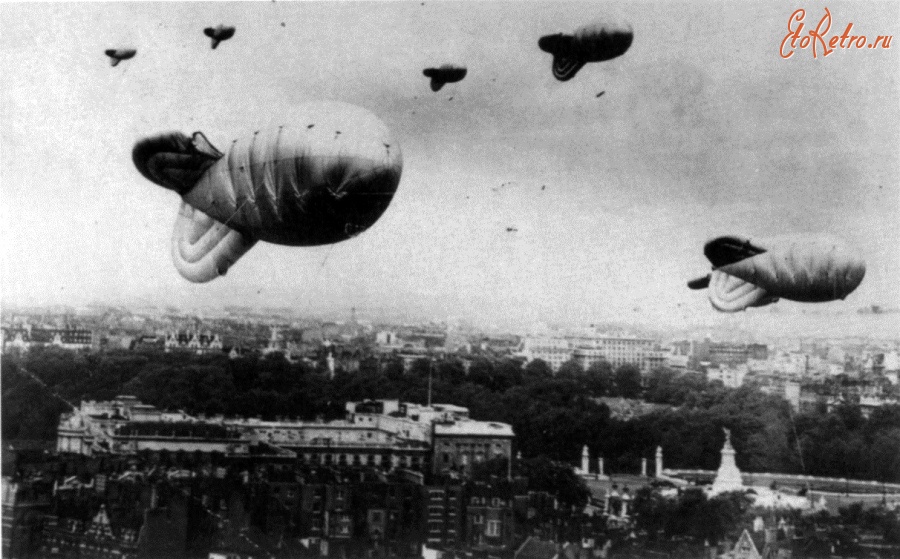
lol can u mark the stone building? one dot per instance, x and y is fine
(457, 445)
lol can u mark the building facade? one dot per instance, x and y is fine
(194, 342)
(589, 347)
(22, 338)
(458, 445)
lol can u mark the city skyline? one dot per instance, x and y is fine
(612, 197)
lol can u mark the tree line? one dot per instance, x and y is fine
(552, 414)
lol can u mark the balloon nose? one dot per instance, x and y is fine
(172, 161)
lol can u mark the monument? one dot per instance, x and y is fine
(600, 473)
(728, 478)
(659, 461)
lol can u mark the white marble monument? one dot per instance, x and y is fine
(728, 478)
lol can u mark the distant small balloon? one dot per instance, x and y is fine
(592, 43)
(118, 55)
(448, 73)
(218, 34)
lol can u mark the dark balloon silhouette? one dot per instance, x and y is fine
(296, 184)
(118, 55)
(218, 34)
(592, 43)
(756, 272)
(448, 73)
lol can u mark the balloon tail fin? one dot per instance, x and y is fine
(699, 283)
(731, 294)
(564, 69)
(204, 249)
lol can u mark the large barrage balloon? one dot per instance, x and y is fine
(591, 43)
(325, 176)
(118, 55)
(448, 73)
(756, 272)
(218, 34)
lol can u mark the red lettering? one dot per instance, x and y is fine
(845, 34)
(820, 41)
(818, 34)
(793, 34)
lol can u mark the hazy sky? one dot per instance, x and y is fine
(703, 130)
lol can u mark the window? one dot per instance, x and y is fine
(493, 528)
(343, 526)
(477, 519)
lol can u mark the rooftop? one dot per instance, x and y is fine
(473, 428)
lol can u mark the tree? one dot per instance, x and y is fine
(507, 373)
(393, 369)
(30, 410)
(660, 386)
(690, 514)
(481, 371)
(628, 381)
(571, 370)
(555, 478)
(451, 370)
(652, 511)
(600, 379)
(537, 369)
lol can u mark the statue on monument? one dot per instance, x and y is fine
(728, 477)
